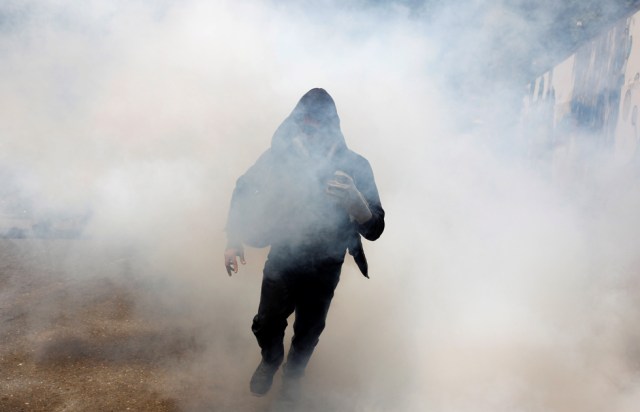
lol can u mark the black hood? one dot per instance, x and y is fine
(317, 108)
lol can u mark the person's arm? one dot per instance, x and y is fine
(236, 222)
(365, 182)
(344, 189)
(234, 243)
(358, 194)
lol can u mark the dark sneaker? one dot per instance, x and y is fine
(263, 378)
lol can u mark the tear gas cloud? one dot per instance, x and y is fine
(492, 288)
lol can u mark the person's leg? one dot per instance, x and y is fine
(313, 298)
(269, 324)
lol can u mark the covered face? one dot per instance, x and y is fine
(312, 128)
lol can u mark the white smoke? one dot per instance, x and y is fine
(491, 289)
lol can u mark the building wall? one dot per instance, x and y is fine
(586, 108)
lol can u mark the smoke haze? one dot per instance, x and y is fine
(492, 288)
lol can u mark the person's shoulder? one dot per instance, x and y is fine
(354, 158)
(261, 166)
(265, 159)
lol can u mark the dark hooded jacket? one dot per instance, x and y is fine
(282, 201)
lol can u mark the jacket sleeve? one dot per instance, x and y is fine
(243, 215)
(363, 177)
(234, 218)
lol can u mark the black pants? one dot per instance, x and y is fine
(306, 289)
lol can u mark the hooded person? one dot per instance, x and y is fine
(311, 199)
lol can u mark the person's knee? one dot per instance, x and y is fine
(268, 326)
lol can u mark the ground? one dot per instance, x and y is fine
(74, 338)
(92, 326)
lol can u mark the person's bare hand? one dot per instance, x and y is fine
(344, 190)
(231, 259)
